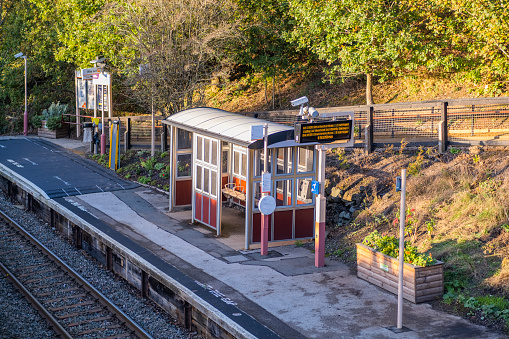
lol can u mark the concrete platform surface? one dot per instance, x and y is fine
(283, 291)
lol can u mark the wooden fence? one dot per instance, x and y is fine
(452, 122)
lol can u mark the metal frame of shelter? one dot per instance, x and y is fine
(213, 160)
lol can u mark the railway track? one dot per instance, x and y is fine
(73, 307)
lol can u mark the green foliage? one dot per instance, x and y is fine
(455, 150)
(36, 121)
(159, 166)
(389, 245)
(489, 306)
(149, 163)
(53, 115)
(144, 180)
(414, 168)
(343, 162)
(430, 226)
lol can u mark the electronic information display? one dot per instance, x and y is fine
(323, 132)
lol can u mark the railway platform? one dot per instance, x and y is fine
(282, 295)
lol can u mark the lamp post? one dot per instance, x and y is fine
(25, 116)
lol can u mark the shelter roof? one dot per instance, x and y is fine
(228, 126)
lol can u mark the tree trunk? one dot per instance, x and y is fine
(273, 92)
(369, 89)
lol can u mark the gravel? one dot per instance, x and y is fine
(16, 321)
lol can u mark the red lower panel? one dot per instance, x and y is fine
(213, 213)
(304, 223)
(206, 207)
(283, 225)
(197, 207)
(224, 181)
(257, 227)
(183, 192)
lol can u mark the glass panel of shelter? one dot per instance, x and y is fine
(184, 153)
(284, 189)
(206, 165)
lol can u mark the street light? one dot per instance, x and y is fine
(25, 116)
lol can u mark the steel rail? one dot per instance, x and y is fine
(35, 303)
(128, 322)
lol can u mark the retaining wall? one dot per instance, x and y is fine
(189, 309)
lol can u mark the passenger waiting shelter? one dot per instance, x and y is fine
(214, 161)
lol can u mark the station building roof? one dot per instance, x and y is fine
(230, 127)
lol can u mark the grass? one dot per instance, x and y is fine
(461, 208)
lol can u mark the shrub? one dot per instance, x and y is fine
(53, 115)
(144, 180)
(389, 245)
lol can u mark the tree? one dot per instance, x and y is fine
(481, 34)
(263, 47)
(371, 37)
(178, 46)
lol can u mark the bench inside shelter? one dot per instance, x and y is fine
(232, 190)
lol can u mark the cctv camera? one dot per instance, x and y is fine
(313, 112)
(299, 101)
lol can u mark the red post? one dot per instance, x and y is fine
(25, 117)
(265, 235)
(103, 142)
(265, 220)
(320, 211)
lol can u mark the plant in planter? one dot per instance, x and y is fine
(378, 263)
(50, 121)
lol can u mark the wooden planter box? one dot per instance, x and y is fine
(419, 283)
(62, 132)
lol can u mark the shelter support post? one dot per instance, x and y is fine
(320, 211)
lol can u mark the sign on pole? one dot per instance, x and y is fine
(82, 93)
(323, 132)
(266, 183)
(88, 73)
(315, 187)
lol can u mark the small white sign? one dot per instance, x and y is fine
(384, 267)
(266, 183)
(257, 132)
(82, 93)
(101, 79)
(267, 205)
(87, 73)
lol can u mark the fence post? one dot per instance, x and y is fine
(442, 129)
(369, 130)
(127, 138)
(164, 136)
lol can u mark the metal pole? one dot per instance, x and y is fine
(78, 121)
(402, 217)
(265, 218)
(320, 211)
(25, 116)
(103, 136)
(153, 133)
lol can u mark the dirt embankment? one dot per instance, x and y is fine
(458, 204)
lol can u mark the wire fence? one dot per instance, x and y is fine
(466, 121)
